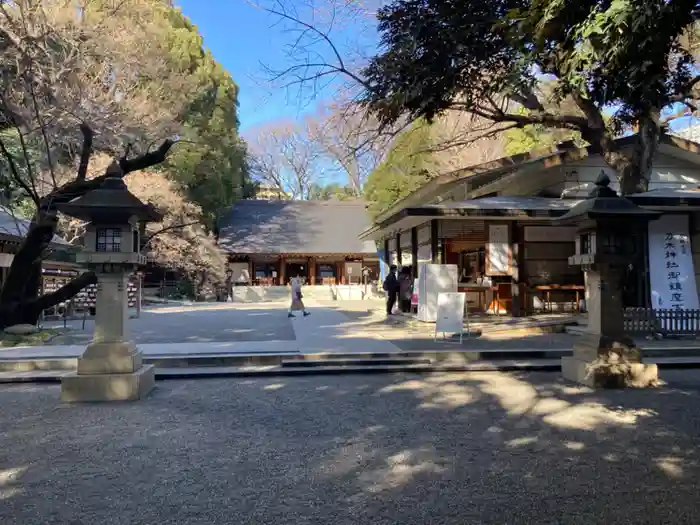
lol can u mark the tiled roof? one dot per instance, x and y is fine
(17, 227)
(303, 227)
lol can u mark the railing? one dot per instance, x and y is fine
(669, 322)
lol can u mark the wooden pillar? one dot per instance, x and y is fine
(340, 270)
(518, 308)
(282, 270)
(434, 231)
(311, 271)
(643, 274)
(414, 252)
(251, 271)
(398, 250)
(387, 257)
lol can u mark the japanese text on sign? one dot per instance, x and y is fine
(672, 244)
(672, 274)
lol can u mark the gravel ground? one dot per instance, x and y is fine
(481, 448)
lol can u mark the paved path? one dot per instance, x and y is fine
(346, 327)
(197, 324)
(248, 329)
(473, 449)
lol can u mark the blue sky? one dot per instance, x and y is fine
(242, 36)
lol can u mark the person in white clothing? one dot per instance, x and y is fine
(297, 296)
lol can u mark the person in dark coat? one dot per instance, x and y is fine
(391, 287)
(405, 289)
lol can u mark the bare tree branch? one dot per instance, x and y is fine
(148, 159)
(339, 68)
(167, 229)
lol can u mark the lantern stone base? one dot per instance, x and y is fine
(109, 372)
(604, 362)
(78, 388)
(110, 358)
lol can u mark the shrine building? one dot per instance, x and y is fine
(498, 223)
(268, 242)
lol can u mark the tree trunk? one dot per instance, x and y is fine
(648, 137)
(633, 170)
(19, 301)
(27, 311)
(23, 278)
(19, 298)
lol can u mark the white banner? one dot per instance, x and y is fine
(498, 250)
(671, 270)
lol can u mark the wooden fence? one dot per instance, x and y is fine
(669, 322)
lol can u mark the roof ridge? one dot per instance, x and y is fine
(353, 202)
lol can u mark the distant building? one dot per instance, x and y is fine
(270, 241)
(269, 192)
(497, 222)
(691, 133)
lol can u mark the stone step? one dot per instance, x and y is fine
(671, 352)
(552, 365)
(53, 376)
(214, 359)
(38, 364)
(575, 329)
(355, 362)
(225, 359)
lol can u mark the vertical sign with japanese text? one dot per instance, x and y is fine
(671, 270)
(498, 250)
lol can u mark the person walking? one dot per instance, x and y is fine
(391, 287)
(405, 289)
(297, 296)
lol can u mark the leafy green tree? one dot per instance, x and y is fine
(488, 59)
(538, 136)
(211, 166)
(145, 77)
(406, 167)
(333, 191)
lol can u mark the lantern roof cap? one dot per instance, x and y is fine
(604, 203)
(112, 197)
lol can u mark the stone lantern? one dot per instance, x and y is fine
(111, 368)
(607, 229)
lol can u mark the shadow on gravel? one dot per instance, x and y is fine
(477, 448)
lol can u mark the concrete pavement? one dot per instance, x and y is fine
(234, 329)
(356, 327)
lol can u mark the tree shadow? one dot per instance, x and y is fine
(412, 449)
(542, 451)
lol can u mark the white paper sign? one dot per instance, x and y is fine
(424, 254)
(450, 313)
(498, 250)
(671, 270)
(6, 260)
